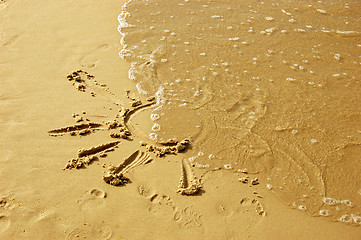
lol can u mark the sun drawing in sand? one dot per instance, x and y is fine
(120, 130)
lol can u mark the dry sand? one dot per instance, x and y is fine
(41, 43)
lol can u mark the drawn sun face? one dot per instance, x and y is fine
(119, 129)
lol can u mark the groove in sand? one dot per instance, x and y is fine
(115, 175)
(189, 184)
(75, 127)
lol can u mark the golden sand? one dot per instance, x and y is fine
(254, 106)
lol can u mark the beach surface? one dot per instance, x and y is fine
(99, 142)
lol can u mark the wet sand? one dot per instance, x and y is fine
(77, 160)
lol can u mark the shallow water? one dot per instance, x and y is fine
(270, 86)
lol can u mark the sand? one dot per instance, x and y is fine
(63, 138)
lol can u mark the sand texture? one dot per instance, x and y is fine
(180, 119)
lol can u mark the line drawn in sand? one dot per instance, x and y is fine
(87, 156)
(189, 184)
(115, 175)
(81, 129)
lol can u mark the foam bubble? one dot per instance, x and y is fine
(356, 218)
(324, 212)
(348, 203)
(330, 201)
(156, 127)
(228, 166)
(345, 218)
(154, 116)
(302, 207)
(140, 90)
(153, 136)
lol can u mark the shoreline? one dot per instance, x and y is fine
(46, 41)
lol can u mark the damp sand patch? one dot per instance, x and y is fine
(261, 103)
